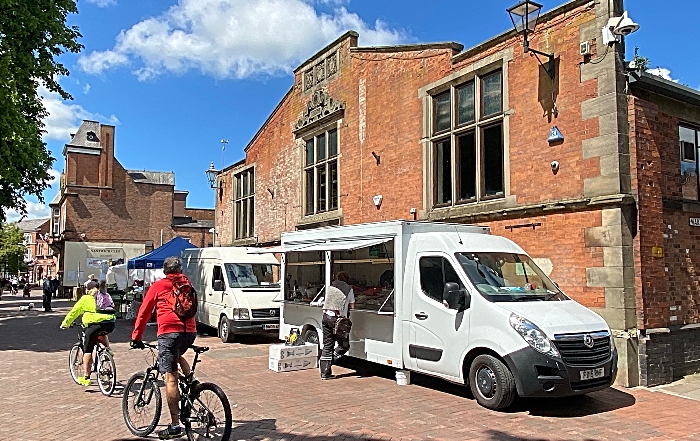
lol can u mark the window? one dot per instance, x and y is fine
(252, 275)
(217, 276)
(56, 216)
(244, 204)
(467, 139)
(28, 255)
(321, 173)
(40, 249)
(688, 140)
(434, 273)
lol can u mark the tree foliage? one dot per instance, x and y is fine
(32, 34)
(11, 250)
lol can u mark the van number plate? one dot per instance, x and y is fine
(590, 374)
(274, 326)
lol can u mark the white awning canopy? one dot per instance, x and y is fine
(345, 245)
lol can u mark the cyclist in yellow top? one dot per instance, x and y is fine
(96, 321)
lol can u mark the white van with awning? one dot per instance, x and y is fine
(452, 301)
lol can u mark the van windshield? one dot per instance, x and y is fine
(251, 275)
(506, 277)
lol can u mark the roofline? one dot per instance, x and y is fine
(242, 161)
(507, 35)
(410, 47)
(664, 87)
(328, 46)
(267, 121)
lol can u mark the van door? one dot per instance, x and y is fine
(218, 291)
(438, 334)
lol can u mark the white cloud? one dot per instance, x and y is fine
(232, 38)
(662, 72)
(102, 3)
(35, 210)
(65, 117)
(86, 88)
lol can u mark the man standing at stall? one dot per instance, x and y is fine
(339, 299)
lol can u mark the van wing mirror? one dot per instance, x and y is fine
(456, 297)
(218, 285)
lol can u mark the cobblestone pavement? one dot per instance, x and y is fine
(41, 402)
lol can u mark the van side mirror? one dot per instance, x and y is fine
(218, 285)
(455, 297)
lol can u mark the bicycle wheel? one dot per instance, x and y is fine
(106, 372)
(75, 362)
(210, 416)
(141, 410)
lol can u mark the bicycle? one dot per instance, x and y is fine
(102, 363)
(204, 408)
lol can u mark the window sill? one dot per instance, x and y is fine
(328, 216)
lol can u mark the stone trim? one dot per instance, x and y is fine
(320, 110)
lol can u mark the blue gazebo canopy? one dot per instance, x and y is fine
(154, 259)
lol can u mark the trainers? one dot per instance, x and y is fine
(83, 381)
(327, 377)
(170, 432)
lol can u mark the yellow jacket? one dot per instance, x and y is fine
(88, 307)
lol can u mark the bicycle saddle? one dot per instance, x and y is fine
(199, 349)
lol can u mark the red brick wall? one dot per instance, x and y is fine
(199, 213)
(668, 287)
(224, 209)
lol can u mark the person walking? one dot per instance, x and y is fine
(54, 287)
(176, 333)
(339, 299)
(46, 294)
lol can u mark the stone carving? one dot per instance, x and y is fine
(308, 79)
(320, 72)
(319, 106)
(332, 64)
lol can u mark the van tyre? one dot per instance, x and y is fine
(491, 382)
(311, 336)
(225, 332)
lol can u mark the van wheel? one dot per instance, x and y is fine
(491, 382)
(225, 330)
(311, 336)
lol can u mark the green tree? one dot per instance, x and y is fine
(32, 34)
(11, 249)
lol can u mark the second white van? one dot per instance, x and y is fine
(235, 289)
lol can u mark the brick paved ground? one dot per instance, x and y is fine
(40, 401)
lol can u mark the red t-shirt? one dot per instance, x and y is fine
(159, 296)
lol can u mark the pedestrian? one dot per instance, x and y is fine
(176, 333)
(339, 299)
(54, 287)
(46, 291)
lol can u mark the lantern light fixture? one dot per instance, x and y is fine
(524, 16)
(211, 175)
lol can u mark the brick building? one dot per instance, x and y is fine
(40, 258)
(436, 132)
(105, 214)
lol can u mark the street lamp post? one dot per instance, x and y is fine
(212, 174)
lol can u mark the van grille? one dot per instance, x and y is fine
(575, 352)
(266, 313)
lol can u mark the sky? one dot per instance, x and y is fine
(176, 77)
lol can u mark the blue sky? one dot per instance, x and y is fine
(177, 77)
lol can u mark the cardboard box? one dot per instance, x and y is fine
(293, 364)
(283, 352)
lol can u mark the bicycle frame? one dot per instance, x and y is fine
(99, 347)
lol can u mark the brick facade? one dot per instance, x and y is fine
(101, 202)
(42, 261)
(590, 224)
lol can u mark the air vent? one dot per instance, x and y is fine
(585, 48)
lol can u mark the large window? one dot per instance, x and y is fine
(55, 219)
(467, 139)
(321, 173)
(689, 139)
(244, 204)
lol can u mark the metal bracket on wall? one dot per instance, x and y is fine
(533, 225)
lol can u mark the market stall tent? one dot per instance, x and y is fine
(154, 259)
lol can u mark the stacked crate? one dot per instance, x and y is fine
(284, 358)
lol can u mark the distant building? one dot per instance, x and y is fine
(105, 214)
(592, 166)
(39, 257)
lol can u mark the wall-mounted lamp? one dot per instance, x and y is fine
(377, 201)
(376, 157)
(414, 212)
(524, 16)
(211, 175)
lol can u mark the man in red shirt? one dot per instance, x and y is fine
(175, 336)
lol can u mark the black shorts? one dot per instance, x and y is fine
(171, 347)
(93, 331)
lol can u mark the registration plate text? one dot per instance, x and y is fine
(590, 374)
(274, 326)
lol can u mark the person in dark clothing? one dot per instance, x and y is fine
(339, 299)
(46, 297)
(54, 287)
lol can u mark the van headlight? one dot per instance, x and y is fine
(533, 335)
(241, 314)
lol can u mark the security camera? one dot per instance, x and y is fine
(625, 26)
(82, 235)
(618, 27)
(554, 165)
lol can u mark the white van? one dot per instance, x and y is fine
(235, 289)
(452, 301)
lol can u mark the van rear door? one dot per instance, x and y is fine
(438, 334)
